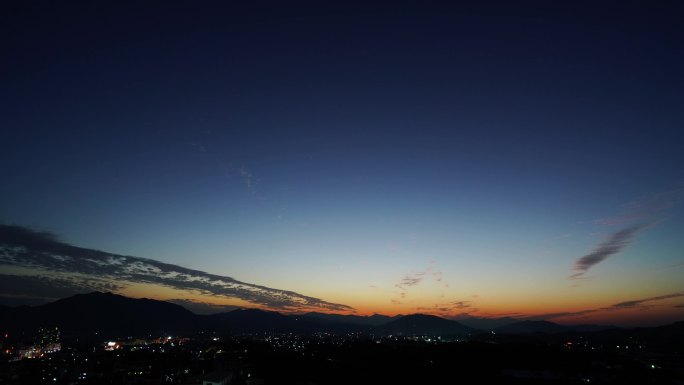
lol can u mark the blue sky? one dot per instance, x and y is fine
(335, 150)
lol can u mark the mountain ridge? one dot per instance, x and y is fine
(424, 324)
(115, 315)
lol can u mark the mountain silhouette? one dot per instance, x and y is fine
(526, 327)
(482, 323)
(371, 320)
(113, 315)
(255, 320)
(591, 328)
(672, 334)
(102, 313)
(423, 324)
(548, 327)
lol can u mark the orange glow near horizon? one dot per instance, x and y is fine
(570, 311)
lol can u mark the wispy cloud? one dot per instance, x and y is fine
(449, 309)
(411, 280)
(416, 278)
(247, 177)
(615, 243)
(631, 304)
(228, 168)
(646, 209)
(462, 304)
(635, 217)
(438, 276)
(44, 255)
(638, 302)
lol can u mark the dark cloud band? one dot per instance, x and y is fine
(613, 245)
(24, 248)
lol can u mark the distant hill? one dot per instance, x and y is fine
(255, 320)
(662, 335)
(526, 327)
(591, 328)
(102, 312)
(114, 315)
(482, 323)
(423, 324)
(111, 315)
(372, 320)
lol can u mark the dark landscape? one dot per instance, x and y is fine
(315, 192)
(111, 339)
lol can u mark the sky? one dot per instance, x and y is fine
(481, 159)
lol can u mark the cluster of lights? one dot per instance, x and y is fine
(111, 346)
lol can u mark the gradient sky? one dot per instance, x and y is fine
(478, 158)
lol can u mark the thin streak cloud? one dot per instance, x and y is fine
(631, 304)
(639, 214)
(615, 243)
(635, 303)
(646, 209)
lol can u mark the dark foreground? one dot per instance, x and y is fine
(350, 359)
